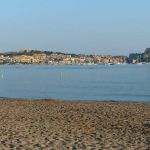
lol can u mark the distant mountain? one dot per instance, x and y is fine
(140, 57)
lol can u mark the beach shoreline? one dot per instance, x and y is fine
(73, 100)
(58, 124)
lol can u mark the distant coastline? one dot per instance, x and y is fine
(49, 57)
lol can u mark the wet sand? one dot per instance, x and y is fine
(52, 125)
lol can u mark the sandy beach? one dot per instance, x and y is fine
(54, 125)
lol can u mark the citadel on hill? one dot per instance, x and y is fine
(49, 57)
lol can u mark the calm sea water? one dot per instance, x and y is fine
(76, 82)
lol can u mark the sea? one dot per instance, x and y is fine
(122, 82)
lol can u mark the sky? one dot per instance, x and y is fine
(116, 27)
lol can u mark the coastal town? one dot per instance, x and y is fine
(48, 57)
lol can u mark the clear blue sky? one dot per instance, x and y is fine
(78, 26)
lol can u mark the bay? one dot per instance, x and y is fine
(125, 82)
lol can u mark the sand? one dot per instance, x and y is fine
(54, 125)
